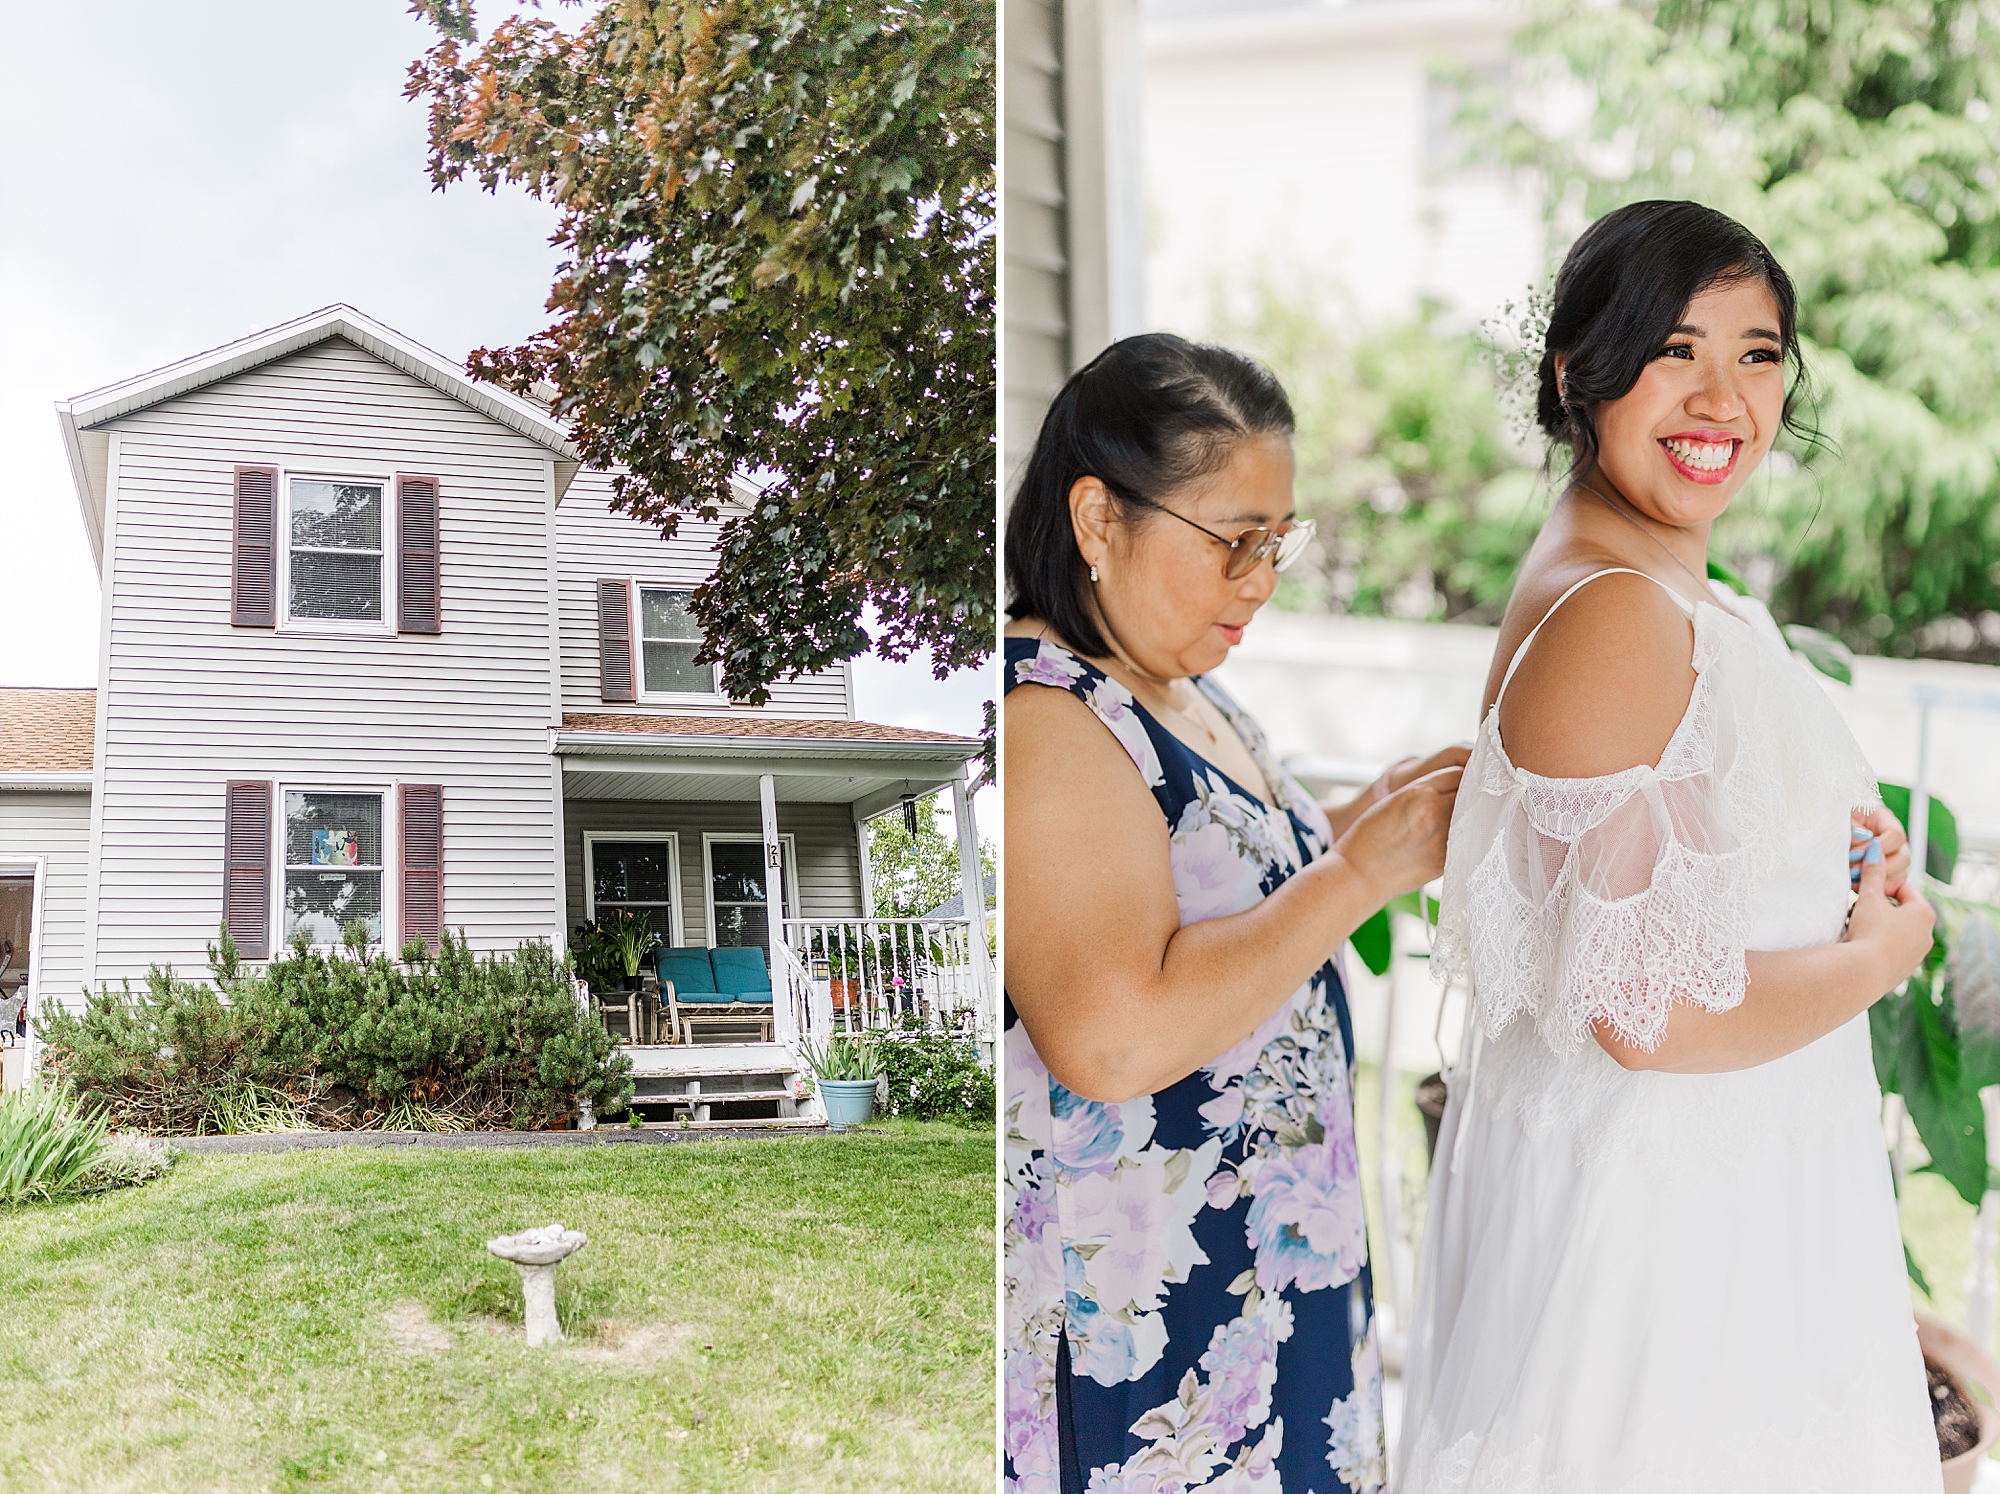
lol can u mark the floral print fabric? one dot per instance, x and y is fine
(1187, 1292)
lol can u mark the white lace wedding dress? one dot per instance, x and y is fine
(1638, 1283)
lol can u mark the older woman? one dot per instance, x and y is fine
(1187, 1283)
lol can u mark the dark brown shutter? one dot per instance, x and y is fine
(420, 824)
(246, 857)
(614, 639)
(417, 602)
(253, 588)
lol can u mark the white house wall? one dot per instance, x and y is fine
(55, 826)
(829, 869)
(594, 543)
(191, 702)
(1313, 148)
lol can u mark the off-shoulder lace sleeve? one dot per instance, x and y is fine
(1599, 901)
(1580, 902)
(1603, 901)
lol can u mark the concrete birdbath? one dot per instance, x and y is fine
(536, 1253)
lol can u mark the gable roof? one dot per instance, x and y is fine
(89, 447)
(47, 731)
(954, 906)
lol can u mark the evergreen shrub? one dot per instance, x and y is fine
(344, 1039)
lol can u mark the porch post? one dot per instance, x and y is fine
(864, 832)
(970, 884)
(783, 1027)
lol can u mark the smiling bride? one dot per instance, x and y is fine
(1662, 1251)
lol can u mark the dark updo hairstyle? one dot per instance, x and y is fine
(1146, 416)
(1621, 292)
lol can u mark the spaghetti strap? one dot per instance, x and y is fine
(1617, 570)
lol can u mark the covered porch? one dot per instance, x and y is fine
(704, 826)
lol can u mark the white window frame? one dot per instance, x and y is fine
(392, 840)
(686, 697)
(38, 866)
(755, 838)
(385, 627)
(669, 838)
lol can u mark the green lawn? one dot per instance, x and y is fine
(793, 1314)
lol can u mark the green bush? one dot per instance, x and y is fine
(344, 1039)
(155, 1061)
(935, 1076)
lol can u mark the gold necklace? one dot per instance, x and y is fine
(1700, 581)
(1193, 720)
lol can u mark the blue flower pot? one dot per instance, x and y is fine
(849, 1102)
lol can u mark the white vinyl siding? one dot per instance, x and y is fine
(825, 874)
(190, 702)
(596, 544)
(1036, 264)
(55, 826)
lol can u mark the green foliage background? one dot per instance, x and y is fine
(779, 220)
(1859, 139)
(914, 874)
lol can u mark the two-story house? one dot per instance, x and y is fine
(375, 647)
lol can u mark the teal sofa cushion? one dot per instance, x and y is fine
(742, 972)
(690, 972)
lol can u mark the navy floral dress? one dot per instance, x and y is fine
(1188, 1301)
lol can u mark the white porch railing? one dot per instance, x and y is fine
(869, 974)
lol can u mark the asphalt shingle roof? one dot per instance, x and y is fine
(757, 726)
(47, 731)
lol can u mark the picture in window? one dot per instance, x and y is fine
(336, 549)
(670, 637)
(333, 865)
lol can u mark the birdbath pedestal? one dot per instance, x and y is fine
(536, 1253)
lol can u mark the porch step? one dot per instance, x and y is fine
(783, 1122)
(701, 1061)
(711, 1097)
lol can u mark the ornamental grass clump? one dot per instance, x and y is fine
(848, 1056)
(46, 1145)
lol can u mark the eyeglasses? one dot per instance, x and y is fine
(1250, 547)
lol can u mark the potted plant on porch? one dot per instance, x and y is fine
(847, 1069)
(633, 938)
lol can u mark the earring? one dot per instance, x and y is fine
(1093, 573)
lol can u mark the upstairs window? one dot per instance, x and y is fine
(669, 639)
(334, 528)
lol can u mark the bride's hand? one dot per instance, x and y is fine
(1895, 929)
(1398, 844)
(1887, 829)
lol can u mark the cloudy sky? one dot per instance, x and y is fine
(175, 176)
